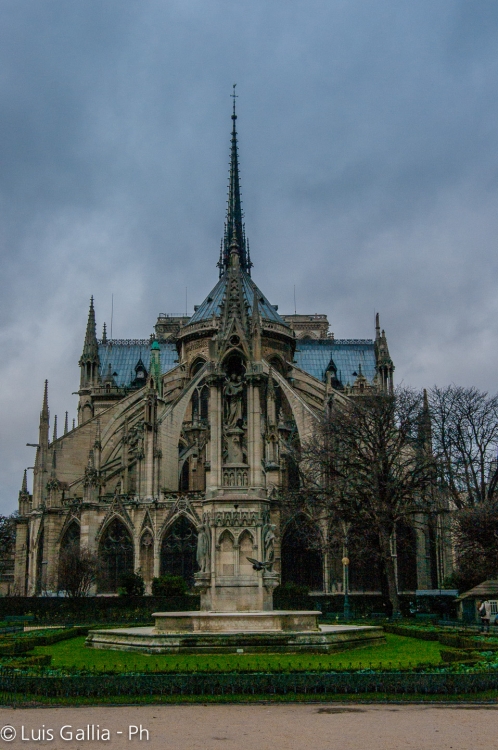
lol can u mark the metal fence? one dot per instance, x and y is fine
(97, 686)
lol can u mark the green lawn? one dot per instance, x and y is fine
(397, 652)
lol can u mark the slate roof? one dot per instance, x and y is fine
(314, 355)
(484, 590)
(123, 354)
(212, 303)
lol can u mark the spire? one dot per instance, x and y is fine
(234, 227)
(44, 414)
(425, 424)
(89, 360)
(24, 486)
(90, 347)
(44, 420)
(54, 436)
(377, 326)
(104, 334)
(66, 425)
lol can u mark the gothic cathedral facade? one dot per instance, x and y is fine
(188, 433)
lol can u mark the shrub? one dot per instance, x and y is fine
(131, 584)
(169, 586)
(292, 589)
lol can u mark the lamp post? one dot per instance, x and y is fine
(347, 608)
(345, 570)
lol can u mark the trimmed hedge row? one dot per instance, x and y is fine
(247, 684)
(40, 660)
(429, 635)
(95, 609)
(15, 646)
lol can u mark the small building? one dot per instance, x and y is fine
(468, 602)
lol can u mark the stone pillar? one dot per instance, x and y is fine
(53, 525)
(215, 446)
(21, 558)
(254, 438)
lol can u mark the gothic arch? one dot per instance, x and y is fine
(170, 426)
(226, 556)
(301, 553)
(245, 543)
(196, 366)
(107, 522)
(116, 558)
(70, 535)
(178, 548)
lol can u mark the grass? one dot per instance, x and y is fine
(397, 652)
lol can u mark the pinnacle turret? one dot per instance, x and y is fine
(90, 347)
(89, 360)
(24, 486)
(44, 420)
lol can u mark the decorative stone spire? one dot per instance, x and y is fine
(24, 485)
(104, 334)
(384, 363)
(44, 420)
(155, 366)
(234, 235)
(54, 434)
(66, 425)
(89, 360)
(425, 425)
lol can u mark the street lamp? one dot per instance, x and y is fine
(347, 608)
(345, 569)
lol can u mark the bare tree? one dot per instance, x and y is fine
(7, 540)
(371, 460)
(475, 531)
(465, 441)
(77, 571)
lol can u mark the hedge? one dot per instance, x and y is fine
(95, 609)
(265, 684)
(15, 646)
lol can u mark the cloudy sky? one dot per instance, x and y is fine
(369, 160)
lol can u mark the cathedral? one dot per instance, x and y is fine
(182, 445)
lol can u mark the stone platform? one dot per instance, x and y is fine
(235, 622)
(236, 632)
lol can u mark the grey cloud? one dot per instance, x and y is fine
(368, 150)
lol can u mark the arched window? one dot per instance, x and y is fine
(302, 554)
(196, 366)
(115, 556)
(71, 537)
(178, 550)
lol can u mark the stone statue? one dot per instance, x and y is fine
(203, 549)
(233, 396)
(269, 540)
